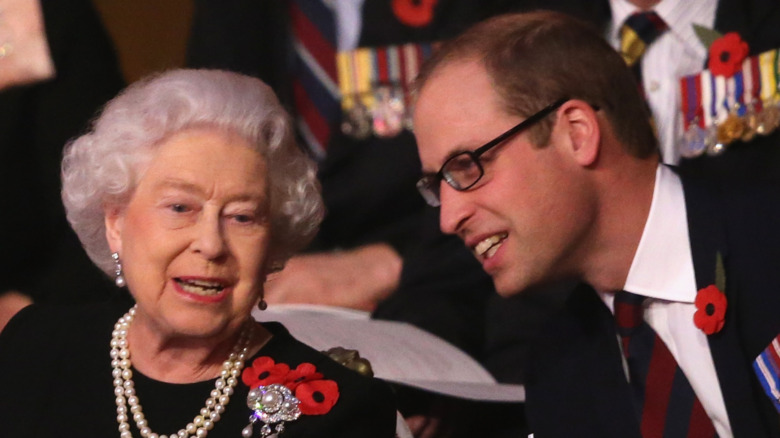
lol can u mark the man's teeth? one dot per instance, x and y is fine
(489, 246)
(200, 287)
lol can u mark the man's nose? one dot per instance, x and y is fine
(455, 209)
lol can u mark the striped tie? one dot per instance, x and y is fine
(665, 402)
(315, 88)
(638, 32)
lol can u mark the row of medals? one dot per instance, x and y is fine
(714, 139)
(389, 116)
(386, 118)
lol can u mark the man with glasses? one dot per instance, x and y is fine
(537, 148)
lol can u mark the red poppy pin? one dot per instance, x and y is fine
(278, 394)
(414, 13)
(711, 302)
(726, 52)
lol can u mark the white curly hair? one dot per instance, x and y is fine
(103, 166)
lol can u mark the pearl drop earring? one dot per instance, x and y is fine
(119, 279)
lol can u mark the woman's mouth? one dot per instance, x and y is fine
(202, 288)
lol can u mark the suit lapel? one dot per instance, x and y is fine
(577, 378)
(707, 232)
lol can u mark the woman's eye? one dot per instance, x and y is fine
(179, 208)
(243, 218)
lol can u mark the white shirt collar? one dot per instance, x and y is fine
(663, 265)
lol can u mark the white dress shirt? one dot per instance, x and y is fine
(676, 53)
(348, 22)
(662, 270)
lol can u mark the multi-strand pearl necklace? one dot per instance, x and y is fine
(127, 400)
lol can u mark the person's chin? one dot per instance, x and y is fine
(509, 282)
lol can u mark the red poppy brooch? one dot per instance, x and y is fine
(414, 13)
(279, 394)
(726, 51)
(711, 302)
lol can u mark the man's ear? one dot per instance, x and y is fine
(114, 220)
(583, 129)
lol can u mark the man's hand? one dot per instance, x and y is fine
(357, 278)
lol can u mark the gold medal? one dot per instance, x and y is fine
(730, 129)
(750, 122)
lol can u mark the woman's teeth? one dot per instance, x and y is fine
(199, 287)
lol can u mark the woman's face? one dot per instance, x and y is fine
(193, 239)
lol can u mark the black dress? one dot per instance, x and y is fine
(55, 380)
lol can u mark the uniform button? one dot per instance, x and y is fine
(654, 86)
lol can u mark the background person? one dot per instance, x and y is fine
(676, 52)
(189, 188)
(573, 189)
(58, 66)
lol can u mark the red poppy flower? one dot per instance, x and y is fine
(305, 372)
(415, 13)
(317, 396)
(710, 309)
(264, 371)
(727, 54)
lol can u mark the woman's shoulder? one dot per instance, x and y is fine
(334, 399)
(285, 345)
(58, 333)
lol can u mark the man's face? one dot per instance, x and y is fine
(528, 217)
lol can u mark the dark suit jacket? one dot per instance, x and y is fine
(577, 386)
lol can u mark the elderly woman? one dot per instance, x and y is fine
(188, 190)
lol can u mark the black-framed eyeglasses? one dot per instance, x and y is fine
(461, 171)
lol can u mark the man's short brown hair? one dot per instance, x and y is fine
(534, 59)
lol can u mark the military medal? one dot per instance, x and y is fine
(730, 129)
(388, 113)
(356, 123)
(768, 119)
(375, 87)
(752, 78)
(750, 121)
(694, 142)
(355, 67)
(714, 146)
(733, 105)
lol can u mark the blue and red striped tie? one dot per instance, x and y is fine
(315, 83)
(664, 400)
